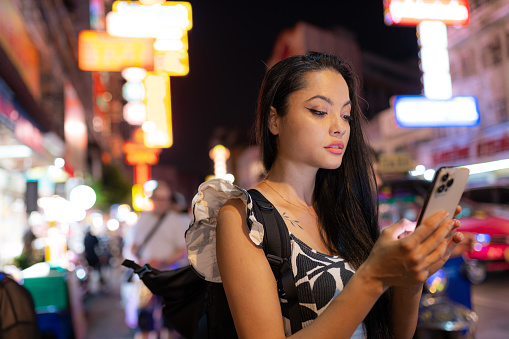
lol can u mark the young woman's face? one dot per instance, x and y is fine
(316, 128)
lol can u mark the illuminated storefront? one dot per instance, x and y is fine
(27, 171)
(433, 148)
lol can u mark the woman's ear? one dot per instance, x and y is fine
(273, 121)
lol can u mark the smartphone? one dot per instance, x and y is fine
(445, 192)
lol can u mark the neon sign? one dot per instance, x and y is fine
(158, 106)
(99, 51)
(437, 108)
(172, 62)
(434, 60)
(219, 154)
(168, 14)
(413, 12)
(417, 111)
(168, 23)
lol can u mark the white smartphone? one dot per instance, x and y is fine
(445, 192)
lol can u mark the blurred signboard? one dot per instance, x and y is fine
(395, 163)
(417, 111)
(18, 46)
(28, 134)
(140, 201)
(141, 157)
(132, 19)
(168, 23)
(434, 56)
(136, 153)
(99, 51)
(8, 113)
(13, 116)
(158, 127)
(413, 12)
(75, 129)
(174, 63)
(488, 146)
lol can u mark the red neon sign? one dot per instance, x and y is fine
(140, 156)
(136, 153)
(413, 12)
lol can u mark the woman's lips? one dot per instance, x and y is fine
(336, 147)
(334, 150)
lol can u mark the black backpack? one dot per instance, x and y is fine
(197, 308)
(17, 311)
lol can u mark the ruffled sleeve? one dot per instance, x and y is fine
(201, 235)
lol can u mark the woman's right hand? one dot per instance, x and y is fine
(405, 261)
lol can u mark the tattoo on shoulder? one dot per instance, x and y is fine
(294, 223)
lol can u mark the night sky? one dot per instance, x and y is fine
(228, 45)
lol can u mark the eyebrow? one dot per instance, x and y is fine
(329, 101)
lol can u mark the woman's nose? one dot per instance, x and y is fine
(338, 125)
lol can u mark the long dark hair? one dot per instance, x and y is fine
(345, 199)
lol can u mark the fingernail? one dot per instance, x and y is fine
(459, 236)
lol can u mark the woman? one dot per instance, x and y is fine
(321, 181)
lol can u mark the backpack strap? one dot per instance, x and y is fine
(150, 234)
(278, 250)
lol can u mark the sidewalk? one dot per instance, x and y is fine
(490, 301)
(105, 315)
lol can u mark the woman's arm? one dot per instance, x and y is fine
(251, 288)
(405, 300)
(405, 310)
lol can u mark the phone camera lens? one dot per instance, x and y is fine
(441, 188)
(445, 177)
(450, 182)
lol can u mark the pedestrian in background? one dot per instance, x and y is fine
(29, 255)
(158, 240)
(92, 251)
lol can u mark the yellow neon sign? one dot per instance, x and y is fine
(99, 51)
(174, 63)
(158, 104)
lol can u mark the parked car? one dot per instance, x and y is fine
(494, 199)
(489, 194)
(491, 249)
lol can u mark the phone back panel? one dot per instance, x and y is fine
(445, 191)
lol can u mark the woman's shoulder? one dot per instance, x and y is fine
(216, 192)
(214, 196)
(236, 204)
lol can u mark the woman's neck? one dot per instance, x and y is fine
(293, 181)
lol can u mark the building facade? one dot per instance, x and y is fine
(48, 111)
(479, 66)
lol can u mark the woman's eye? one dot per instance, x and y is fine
(317, 112)
(347, 118)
